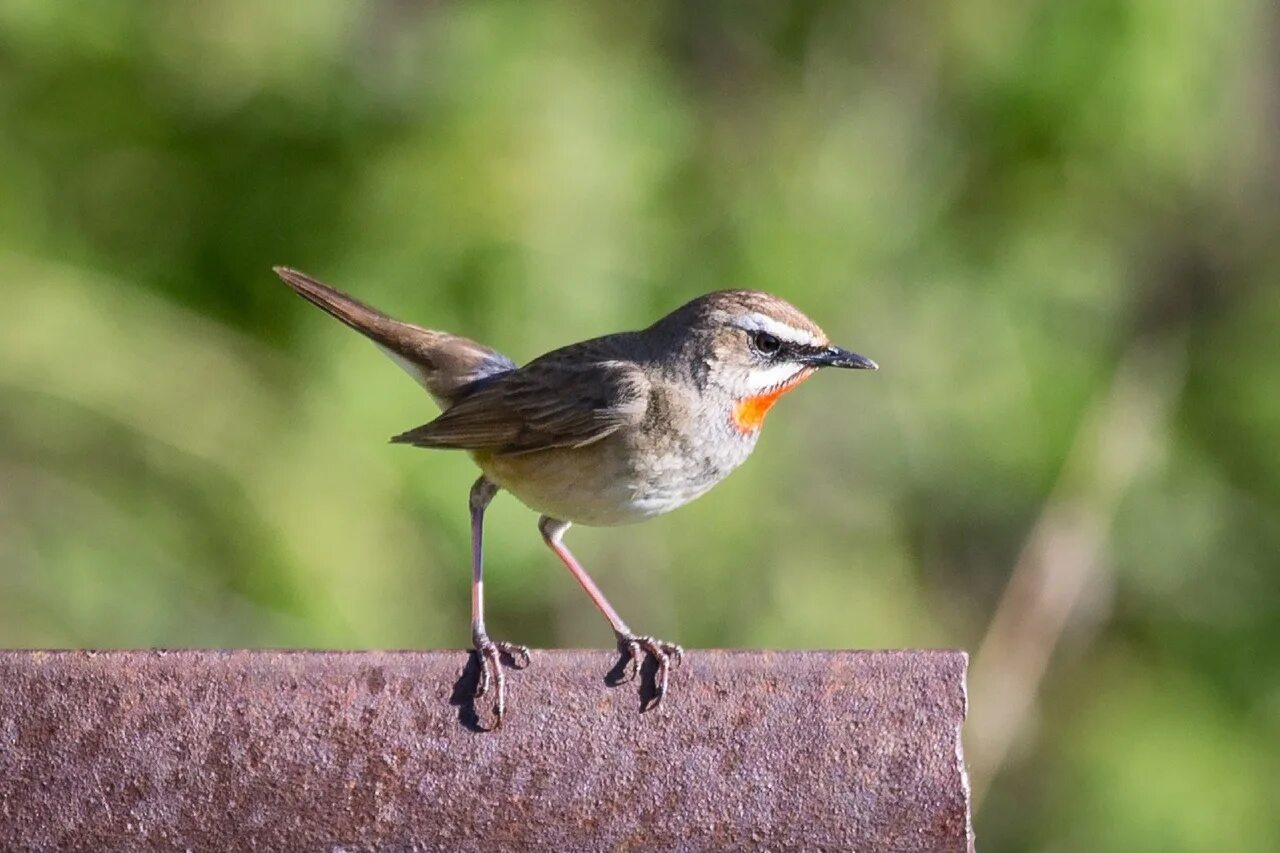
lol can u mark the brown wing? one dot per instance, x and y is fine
(565, 399)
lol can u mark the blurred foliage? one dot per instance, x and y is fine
(995, 201)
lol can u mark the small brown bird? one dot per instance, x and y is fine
(608, 431)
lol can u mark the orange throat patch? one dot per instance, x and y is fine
(748, 414)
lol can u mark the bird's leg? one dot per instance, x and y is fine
(629, 643)
(488, 651)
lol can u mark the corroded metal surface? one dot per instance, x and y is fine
(378, 751)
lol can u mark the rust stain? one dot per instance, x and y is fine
(372, 750)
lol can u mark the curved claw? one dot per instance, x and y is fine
(491, 674)
(482, 682)
(491, 671)
(664, 653)
(633, 652)
(519, 654)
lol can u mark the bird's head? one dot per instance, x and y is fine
(753, 347)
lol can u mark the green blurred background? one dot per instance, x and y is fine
(1054, 224)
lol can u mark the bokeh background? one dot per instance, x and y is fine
(1055, 225)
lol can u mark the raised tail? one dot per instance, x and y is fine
(446, 365)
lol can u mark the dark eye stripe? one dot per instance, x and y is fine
(771, 346)
(802, 351)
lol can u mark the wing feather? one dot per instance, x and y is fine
(561, 400)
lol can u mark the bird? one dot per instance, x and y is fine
(608, 431)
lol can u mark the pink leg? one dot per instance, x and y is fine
(632, 644)
(488, 650)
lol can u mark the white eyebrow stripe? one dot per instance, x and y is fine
(756, 322)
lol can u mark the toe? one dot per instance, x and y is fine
(519, 654)
(635, 656)
(482, 681)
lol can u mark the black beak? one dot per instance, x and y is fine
(836, 357)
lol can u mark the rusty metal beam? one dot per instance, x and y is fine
(262, 750)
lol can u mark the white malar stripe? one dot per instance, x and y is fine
(756, 322)
(765, 379)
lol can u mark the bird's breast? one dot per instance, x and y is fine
(628, 477)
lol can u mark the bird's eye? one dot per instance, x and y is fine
(765, 343)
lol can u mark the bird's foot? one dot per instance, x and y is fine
(491, 676)
(665, 654)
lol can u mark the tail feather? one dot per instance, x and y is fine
(446, 365)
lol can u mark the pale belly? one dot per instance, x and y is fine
(607, 483)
